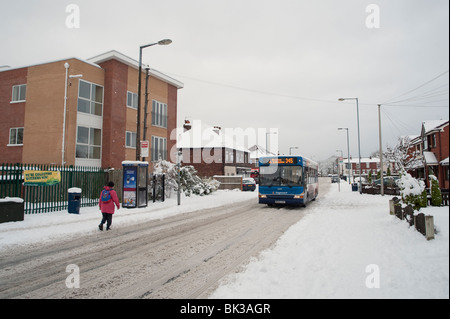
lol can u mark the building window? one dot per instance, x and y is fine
(159, 148)
(433, 140)
(159, 114)
(132, 100)
(90, 98)
(16, 136)
(19, 93)
(240, 157)
(89, 143)
(130, 139)
(229, 156)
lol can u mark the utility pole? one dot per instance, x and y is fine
(381, 151)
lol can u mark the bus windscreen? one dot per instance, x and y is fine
(281, 176)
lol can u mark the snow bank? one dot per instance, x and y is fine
(345, 241)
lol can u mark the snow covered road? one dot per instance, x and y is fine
(182, 256)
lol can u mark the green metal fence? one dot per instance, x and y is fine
(43, 199)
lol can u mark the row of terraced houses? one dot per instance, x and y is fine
(431, 149)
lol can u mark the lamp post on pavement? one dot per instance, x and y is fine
(381, 152)
(359, 138)
(291, 148)
(349, 167)
(138, 129)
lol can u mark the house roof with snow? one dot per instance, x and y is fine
(430, 158)
(363, 160)
(199, 135)
(432, 126)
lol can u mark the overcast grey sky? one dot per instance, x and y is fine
(264, 64)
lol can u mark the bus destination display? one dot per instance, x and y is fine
(283, 160)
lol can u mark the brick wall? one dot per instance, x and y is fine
(12, 114)
(114, 114)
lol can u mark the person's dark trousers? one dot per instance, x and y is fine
(107, 218)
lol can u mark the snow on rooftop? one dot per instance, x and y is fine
(430, 158)
(431, 125)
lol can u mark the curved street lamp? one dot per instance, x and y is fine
(138, 130)
(359, 139)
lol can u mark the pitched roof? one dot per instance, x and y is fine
(428, 126)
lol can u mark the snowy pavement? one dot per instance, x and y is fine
(349, 246)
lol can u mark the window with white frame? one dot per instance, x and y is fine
(90, 98)
(89, 143)
(239, 157)
(159, 114)
(229, 156)
(130, 139)
(16, 136)
(132, 100)
(159, 148)
(19, 93)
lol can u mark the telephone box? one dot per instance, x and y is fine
(135, 183)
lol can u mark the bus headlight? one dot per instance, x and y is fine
(262, 196)
(299, 196)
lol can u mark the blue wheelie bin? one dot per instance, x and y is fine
(74, 201)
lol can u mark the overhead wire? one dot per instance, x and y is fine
(417, 88)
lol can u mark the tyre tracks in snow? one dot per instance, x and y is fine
(183, 256)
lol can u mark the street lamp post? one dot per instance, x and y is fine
(381, 152)
(349, 167)
(138, 129)
(291, 148)
(179, 158)
(359, 138)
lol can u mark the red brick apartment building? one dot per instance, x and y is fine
(84, 112)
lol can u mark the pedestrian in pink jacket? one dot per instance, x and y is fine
(108, 199)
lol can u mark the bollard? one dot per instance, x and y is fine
(429, 227)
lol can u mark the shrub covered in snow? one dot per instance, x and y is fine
(412, 191)
(189, 181)
(436, 196)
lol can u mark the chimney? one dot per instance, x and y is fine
(187, 125)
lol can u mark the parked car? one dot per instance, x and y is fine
(389, 181)
(248, 184)
(335, 179)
